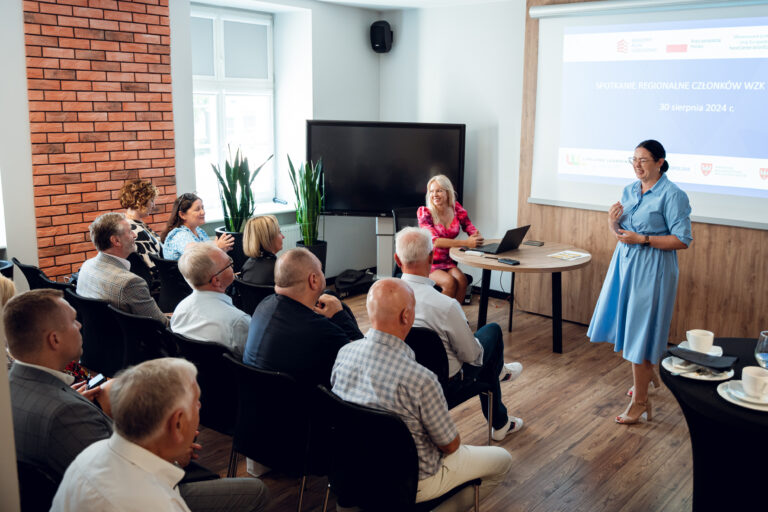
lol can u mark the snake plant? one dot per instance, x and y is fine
(235, 191)
(307, 180)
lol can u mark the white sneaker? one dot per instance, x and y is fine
(514, 425)
(510, 371)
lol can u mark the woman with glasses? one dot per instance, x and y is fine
(184, 228)
(138, 199)
(634, 311)
(262, 239)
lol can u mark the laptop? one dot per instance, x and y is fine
(511, 241)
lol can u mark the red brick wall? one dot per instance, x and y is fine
(99, 81)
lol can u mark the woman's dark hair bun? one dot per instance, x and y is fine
(656, 150)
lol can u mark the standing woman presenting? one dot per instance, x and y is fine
(634, 309)
(444, 217)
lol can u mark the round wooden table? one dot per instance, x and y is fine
(534, 260)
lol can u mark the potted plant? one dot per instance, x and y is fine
(308, 186)
(237, 201)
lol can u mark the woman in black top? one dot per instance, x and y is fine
(138, 199)
(262, 239)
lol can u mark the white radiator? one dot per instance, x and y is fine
(292, 234)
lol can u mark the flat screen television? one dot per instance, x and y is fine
(373, 167)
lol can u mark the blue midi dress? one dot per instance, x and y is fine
(634, 310)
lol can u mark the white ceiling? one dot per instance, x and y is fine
(384, 5)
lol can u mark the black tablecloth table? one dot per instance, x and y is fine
(729, 443)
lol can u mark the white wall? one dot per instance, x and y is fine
(15, 146)
(464, 64)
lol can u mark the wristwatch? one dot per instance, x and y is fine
(647, 241)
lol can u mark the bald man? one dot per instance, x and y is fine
(299, 330)
(392, 380)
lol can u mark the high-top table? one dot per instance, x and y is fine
(728, 442)
(532, 260)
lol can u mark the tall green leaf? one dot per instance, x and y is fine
(235, 191)
(308, 187)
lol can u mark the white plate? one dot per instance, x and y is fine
(714, 351)
(670, 366)
(723, 390)
(736, 389)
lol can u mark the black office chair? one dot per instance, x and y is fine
(391, 462)
(36, 278)
(37, 487)
(104, 349)
(275, 422)
(173, 287)
(403, 218)
(430, 353)
(140, 268)
(219, 402)
(145, 338)
(6, 269)
(248, 295)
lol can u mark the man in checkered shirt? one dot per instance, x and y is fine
(380, 371)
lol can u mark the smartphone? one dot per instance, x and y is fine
(96, 381)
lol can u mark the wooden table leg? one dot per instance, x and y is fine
(482, 314)
(511, 299)
(557, 312)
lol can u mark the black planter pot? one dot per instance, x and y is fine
(320, 249)
(237, 254)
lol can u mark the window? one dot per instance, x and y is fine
(233, 97)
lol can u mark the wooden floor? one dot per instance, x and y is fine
(571, 456)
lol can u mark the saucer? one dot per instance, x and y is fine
(736, 389)
(714, 351)
(724, 390)
(668, 364)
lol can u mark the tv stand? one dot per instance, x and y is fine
(385, 246)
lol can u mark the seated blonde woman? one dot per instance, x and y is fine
(262, 239)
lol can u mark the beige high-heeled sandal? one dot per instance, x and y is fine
(640, 408)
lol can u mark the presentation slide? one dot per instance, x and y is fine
(699, 87)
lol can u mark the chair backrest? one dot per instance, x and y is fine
(249, 295)
(104, 348)
(173, 287)
(145, 338)
(374, 464)
(6, 269)
(36, 278)
(37, 487)
(218, 391)
(274, 422)
(140, 268)
(403, 218)
(429, 351)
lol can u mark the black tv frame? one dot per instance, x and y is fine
(459, 185)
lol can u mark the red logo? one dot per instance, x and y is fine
(622, 46)
(706, 169)
(764, 173)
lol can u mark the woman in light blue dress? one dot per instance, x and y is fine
(184, 227)
(635, 306)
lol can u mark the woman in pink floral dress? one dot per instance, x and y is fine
(444, 217)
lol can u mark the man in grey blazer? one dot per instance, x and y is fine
(53, 421)
(107, 276)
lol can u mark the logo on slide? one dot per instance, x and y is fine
(764, 173)
(706, 169)
(622, 46)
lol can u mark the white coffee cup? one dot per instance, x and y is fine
(754, 380)
(700, 340)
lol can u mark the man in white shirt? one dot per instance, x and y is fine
(471, 357)
(107, 276)
(208, 314)
(156, 412)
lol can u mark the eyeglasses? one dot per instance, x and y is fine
(231, 265)
(642, 161)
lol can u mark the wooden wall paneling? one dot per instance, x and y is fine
(723, 275)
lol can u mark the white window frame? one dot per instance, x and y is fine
(220, 86)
